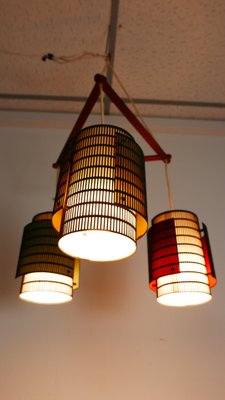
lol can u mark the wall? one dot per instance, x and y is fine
(113, 341)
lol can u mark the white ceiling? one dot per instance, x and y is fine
(169, 54)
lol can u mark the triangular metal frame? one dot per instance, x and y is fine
(101, 82)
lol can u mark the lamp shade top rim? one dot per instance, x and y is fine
(174, 211)
(110, 126)
(46, 216)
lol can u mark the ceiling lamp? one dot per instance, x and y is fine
(180, 263)
(104, 196)
(100, 204)
(100, 211)
(48, 275)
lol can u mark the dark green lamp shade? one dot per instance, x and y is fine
(47, 272)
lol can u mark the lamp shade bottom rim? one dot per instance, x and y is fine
(45, 297)
(97, 245)
(184, 299)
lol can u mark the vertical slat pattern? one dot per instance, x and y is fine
(176, 257)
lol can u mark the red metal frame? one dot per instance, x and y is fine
(92, 99)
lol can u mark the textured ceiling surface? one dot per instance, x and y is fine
(168, 54)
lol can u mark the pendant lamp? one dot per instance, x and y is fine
(100, 204)
(180, 264)
(100, 211)
(47, 273)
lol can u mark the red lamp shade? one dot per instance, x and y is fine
(181, 268)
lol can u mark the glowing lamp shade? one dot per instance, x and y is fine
(47, 273)
(181, 269)
(100, 205)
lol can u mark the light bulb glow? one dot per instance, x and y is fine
(97, 245)
(84, 234)
(46, 288)
(184, 298)
(183, 289)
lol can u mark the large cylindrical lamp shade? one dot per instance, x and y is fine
(47, 273)
(178, 268)
(105, 205)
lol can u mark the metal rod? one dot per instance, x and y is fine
(132, 118)
(152, 158)
(76, 274)
(93, 97)
(111, 45)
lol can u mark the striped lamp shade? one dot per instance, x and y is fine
(100, 206)
(181, 269)
(47, 273)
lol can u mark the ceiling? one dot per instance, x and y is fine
(168, 54)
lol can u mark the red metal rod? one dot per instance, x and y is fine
(132, 118)
(93, 97)
(153, 158)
